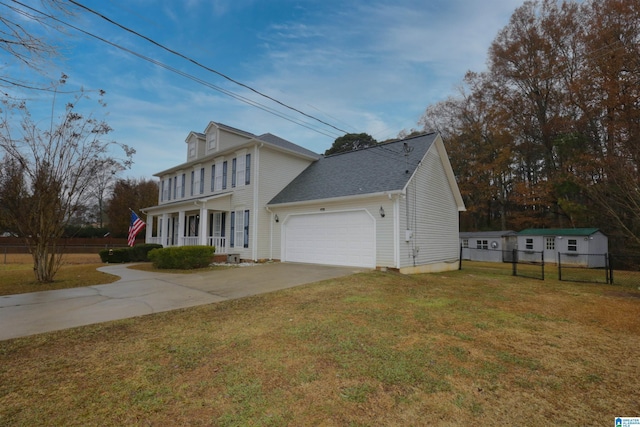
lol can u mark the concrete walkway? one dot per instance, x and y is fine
(139, 293)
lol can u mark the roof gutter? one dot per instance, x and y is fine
(389, 194)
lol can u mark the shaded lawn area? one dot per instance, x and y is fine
(465, 347)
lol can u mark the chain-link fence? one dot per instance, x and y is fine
(616, 269)
(591, 268)
(624, 270)
(522, 263)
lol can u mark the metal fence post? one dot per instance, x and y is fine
(610, 267)
(542, 265)
(460, 262)
(514, 263)
(559, 266)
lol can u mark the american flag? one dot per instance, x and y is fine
(135, 226)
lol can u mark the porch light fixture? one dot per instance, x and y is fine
(276, 218)
(382, 212)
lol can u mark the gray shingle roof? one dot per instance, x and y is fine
(380, 168)
(288, 145)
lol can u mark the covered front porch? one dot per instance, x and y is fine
(185, 225)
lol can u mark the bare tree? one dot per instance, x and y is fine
(27, 35)
(50, 173)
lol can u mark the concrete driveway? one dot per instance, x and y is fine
(138, 293)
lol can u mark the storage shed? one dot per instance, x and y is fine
(492, 246)
(581, 246)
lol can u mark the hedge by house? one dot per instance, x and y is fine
(138, 253)
(182, 257)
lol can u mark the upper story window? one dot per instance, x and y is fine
(216, 173)
(224, 175)
(182, 185)
(175, 187)
(201, 180)
(247, 169)
(212, 140)
(169, 190)
(193, 182)
(192, 149)
(239, 171)
(163, 191)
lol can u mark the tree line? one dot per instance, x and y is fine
(549, 135)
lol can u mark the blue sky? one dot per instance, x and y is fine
(363, 66)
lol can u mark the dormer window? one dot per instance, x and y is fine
(192, 149)
(211, 140)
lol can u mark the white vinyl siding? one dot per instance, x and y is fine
(271, 171)
(433, 216)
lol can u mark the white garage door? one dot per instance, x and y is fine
(334, 238)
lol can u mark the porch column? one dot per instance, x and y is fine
(181, 228)
(202, 234)
(149, 229)
(164, 230)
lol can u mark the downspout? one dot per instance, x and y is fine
(270, 233)
(255, 180)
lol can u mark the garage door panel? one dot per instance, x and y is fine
(336, 238)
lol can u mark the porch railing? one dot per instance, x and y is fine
(219, 242)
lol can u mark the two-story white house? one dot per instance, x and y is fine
(395, 205)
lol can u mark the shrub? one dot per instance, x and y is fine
(115, 255)
(140, 253)
(182, 257)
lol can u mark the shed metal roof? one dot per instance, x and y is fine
(558, 231)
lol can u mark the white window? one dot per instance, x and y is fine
(572, 245)
(482, 244)
(239, 229)
(529, 244)
(175, 187)
(211, 140)
(196, 187)
(218, 178)
(465, 243)
(224, 175)
(163, 193)
(240, 171)
(247, 168)
(192, 149)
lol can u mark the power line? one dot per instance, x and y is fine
(197, 63)
(179, 72)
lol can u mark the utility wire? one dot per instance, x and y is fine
(197, 63)
(179, 72)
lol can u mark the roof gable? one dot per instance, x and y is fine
(381, 168)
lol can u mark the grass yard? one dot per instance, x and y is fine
(16, 274)
(467, 347)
